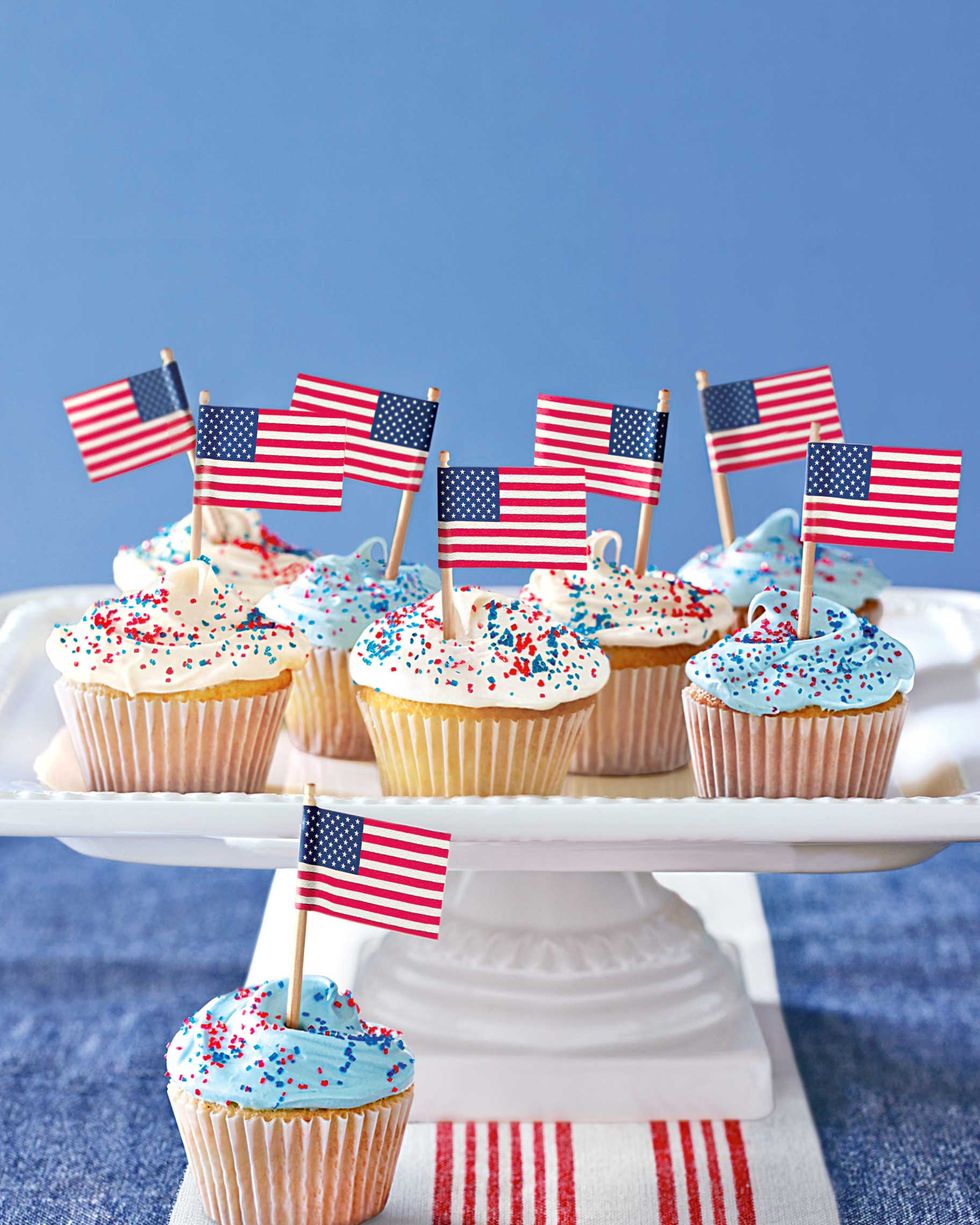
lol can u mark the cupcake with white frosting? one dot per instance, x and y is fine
(292, 1126)
(178, 688)
(772, 556)
(770, 714)
(649, 626)
(496, 711)
(241, 549)
(330, 603)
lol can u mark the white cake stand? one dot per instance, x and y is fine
(568, 982)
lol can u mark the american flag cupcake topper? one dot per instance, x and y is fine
(387, 438)
(619, 447)
(875, 497)
(132, 422)
(757, 422)
(508, 517)
(366, 871)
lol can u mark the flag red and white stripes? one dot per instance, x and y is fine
(776, 428)
(522, 517)
(395, 875)
(619, 458)
(115, 437)
(881, 497)
(387, 435)
(269, 458)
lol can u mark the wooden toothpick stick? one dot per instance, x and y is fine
(299, 949)
(723, 501)
(646, 511)
(404, 514)
(202, 399)
(806, 568)
(448, 604)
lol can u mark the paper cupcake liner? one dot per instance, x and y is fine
(637, 726)
(323, 716)
(138, 744)
(421, 754)
(735, 754)
(330, 1167)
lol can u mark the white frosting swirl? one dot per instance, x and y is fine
(189, 633)
(510, 653)
(622, 608)
(236, 543)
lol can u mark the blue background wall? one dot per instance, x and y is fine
(501, 199)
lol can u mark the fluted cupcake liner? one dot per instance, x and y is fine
(322, 716)
(782, 756)
(637, 726)
(324, 1167)
(147, 744)
(432, 754)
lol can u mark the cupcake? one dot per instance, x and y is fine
(330, 602)
(769, 714)
(771, 556)
(241, 550)
(289, 1126)
(497, 712)
(179, 688)
(649, 626)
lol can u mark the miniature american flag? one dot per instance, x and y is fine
(132, 422)
(372, 872)
(767, 421)
(620, 448)
(512, 517)
(388, 436)
(267, 457)
(881, 497)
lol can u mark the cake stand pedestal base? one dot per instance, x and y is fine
(567, 995)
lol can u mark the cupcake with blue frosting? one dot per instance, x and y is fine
(330, 603)
(297, 1126)
(771, 714)
(772, 556)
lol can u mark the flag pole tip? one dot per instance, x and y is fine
(204, 397)
(433, 393)
(166, 356)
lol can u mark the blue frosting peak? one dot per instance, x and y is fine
(771, 556)
(237, 1049)
(847, 663)
(337, 596)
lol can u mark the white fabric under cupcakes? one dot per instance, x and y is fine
(147, 744)
(637, 724)
(736, 754)
(322, 715)
(443, 755)
(330, 1168)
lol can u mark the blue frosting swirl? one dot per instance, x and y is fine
(237, 1049)
(771, 556)
(337, 596)
(846, 664)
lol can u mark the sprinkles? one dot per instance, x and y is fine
(237, 1049)
(847, 663)
(511, 653)
(772, 556)
(190, 633)
(620, 607)
(241, 550)
(335, 597)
